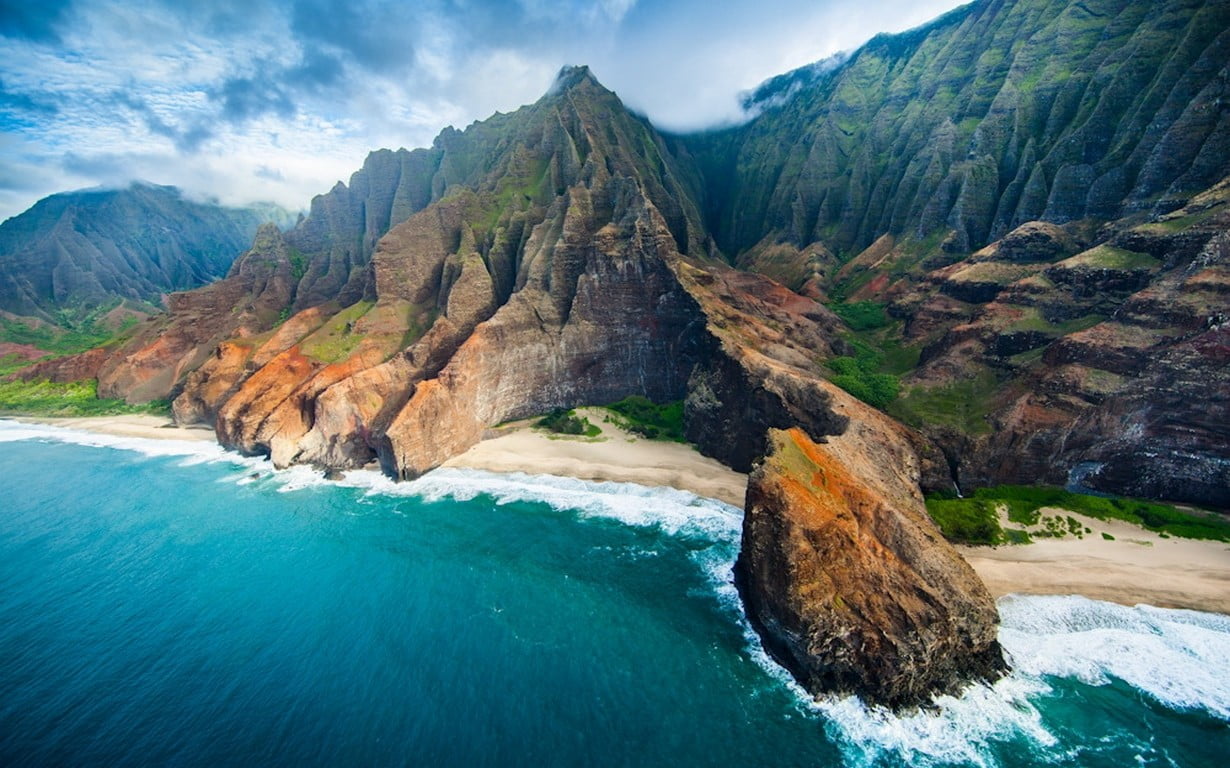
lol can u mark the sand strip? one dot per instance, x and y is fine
(615, 456)
(130, 425)
(1138, 566)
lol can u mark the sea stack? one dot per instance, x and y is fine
(849, 583)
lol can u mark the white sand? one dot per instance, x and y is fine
(1137, 567)
(615, 455)
(132, 425)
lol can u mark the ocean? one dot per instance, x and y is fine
(168, 603)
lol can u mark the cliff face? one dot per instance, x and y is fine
(1034, 190)
(850, 584)
(547, 283)
(1110, 358)
(76, 251)
(998, 113)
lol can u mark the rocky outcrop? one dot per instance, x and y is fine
(847, 580)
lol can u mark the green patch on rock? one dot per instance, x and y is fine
(1024, 503)
(1110, 257)
(861, 315)
(57, 341)
(642, 416)
(963, 405)
(872, 372)
(76, 398)
(1033, 320)
(336, 339)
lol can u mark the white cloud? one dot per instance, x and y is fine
(242, 101)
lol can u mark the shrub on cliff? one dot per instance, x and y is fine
(564, 422)
(857, 375)
(967, 521)
(649, 419)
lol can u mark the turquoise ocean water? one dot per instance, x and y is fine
(159, 606)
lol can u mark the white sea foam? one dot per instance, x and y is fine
(11, 431)
(672, 511)
(1175, 657)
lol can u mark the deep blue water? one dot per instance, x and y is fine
(171, 610)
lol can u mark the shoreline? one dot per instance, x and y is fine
(142, 425)
(1137, 566)
(615, 455)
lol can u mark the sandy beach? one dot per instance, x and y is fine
(616, 455)
(1137, 566)
(132, 425)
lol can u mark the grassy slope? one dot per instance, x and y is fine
(975, 520)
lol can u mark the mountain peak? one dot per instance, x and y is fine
(571, 76)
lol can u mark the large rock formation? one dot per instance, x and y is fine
(848, 581)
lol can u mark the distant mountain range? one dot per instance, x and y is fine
(75, 252)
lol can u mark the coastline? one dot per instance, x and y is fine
(615, 455)
(1137, 566)
(141, 425)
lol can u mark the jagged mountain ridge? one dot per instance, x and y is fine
(1137, 59)
(574, 272)
(77, 251)
(1090, 342)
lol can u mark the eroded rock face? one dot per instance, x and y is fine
(847, 580)
(1113, 359)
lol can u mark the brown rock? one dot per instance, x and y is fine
(848, 581)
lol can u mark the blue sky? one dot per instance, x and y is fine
(245, 100)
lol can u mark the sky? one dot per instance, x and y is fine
(247, 100)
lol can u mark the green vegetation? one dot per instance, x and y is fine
(11, 363)
(1016, 536)
(1033, 320)
(648, 419)
(857, 375)
(966, 521)
(298, 263)
(969, 517)
(861, 315)
(872, 373)
(336, 339)
(74, 338)
(963, 405)
(1110, 257)
(78, 398)
(565, 422)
